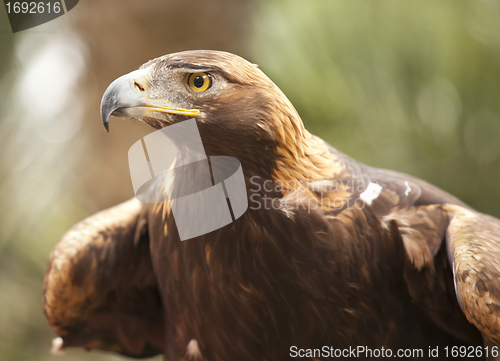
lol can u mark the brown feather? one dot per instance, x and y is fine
(316, 264)
(100, 291)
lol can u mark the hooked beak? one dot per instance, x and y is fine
(128, 96)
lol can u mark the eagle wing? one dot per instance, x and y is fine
(100, 291)
(452, 267)
(473, 241)
(440, 232)
(452, 251)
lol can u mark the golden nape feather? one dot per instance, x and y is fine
(330, 252)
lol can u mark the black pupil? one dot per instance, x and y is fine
(198, 81)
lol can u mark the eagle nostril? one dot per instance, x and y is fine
(139, 86)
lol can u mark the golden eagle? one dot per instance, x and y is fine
(330, 252)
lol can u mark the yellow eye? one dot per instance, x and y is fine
(199, 82)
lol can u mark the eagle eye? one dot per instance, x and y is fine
(199, 82)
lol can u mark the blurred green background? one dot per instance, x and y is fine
(410, 86)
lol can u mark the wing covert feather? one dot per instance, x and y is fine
(100, 290)
(473, 241)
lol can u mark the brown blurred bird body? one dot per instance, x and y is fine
(330, 252)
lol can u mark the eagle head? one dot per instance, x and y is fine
(238, 109)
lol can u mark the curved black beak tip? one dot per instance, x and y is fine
(118, 97)
(109, 104)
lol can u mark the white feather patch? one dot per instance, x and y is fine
(193, 351)
(408, 188)
(57, 346)
(372, 192)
